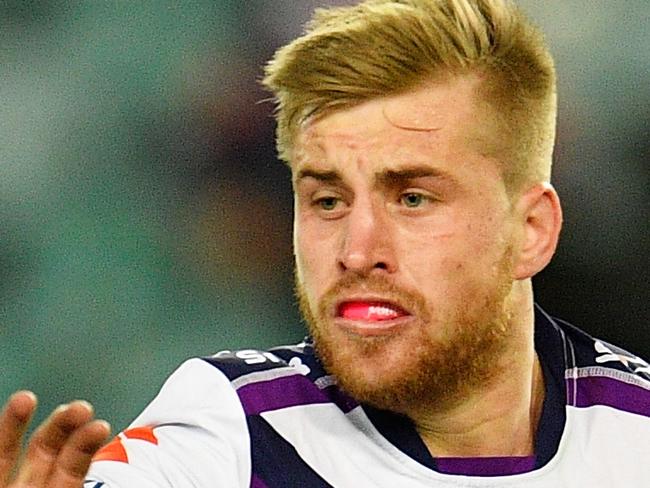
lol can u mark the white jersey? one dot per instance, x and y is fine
(277, 420)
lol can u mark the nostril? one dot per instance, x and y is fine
(381, 265)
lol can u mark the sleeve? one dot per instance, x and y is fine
(192, 435)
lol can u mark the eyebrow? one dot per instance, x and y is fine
(324, 176)
(396, 177)
(388, 177)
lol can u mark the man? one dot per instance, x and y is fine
(419, 135)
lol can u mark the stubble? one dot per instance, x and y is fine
(434, 371)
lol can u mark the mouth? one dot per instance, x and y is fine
(370, 317)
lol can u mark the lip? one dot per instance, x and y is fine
(368, 328)
(364, 328)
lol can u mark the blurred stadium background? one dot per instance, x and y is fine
(144, 218)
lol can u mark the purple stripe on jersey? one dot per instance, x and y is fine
(601, 390)
(256, 482)
(485, 466)
(288, 391)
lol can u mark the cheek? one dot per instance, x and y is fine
(315, 257)
(443, 267)
(484, 231)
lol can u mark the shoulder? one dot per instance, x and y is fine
(282, 377)
(298, 359)
(589, 352)
(200, 418)
(195, 420)
(599, 373)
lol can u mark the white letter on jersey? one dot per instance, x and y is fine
(251, 356)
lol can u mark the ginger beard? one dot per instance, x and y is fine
(450, 352)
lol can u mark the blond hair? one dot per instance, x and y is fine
(380, 48)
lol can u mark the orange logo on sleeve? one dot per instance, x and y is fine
(115, 451)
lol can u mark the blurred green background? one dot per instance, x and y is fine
(144, 218)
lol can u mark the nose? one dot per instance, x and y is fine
(367, 242)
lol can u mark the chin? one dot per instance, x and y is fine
(373, 370)
(408, 371)
(377, 359)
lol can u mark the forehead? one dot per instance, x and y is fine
(438, 121)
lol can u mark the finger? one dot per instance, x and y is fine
(48, 440)
(75, 457)
(14, 419)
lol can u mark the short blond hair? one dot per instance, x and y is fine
(380, 48)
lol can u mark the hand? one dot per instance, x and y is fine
(59, 451)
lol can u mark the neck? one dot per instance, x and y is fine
(500, 419)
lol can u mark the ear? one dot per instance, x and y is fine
(540, 214)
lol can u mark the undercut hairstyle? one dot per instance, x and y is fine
(381, 48)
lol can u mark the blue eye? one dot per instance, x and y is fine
(412, 200)
(327, 203)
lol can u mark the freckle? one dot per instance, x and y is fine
(459, 266)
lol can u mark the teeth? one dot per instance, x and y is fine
(381, 311)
